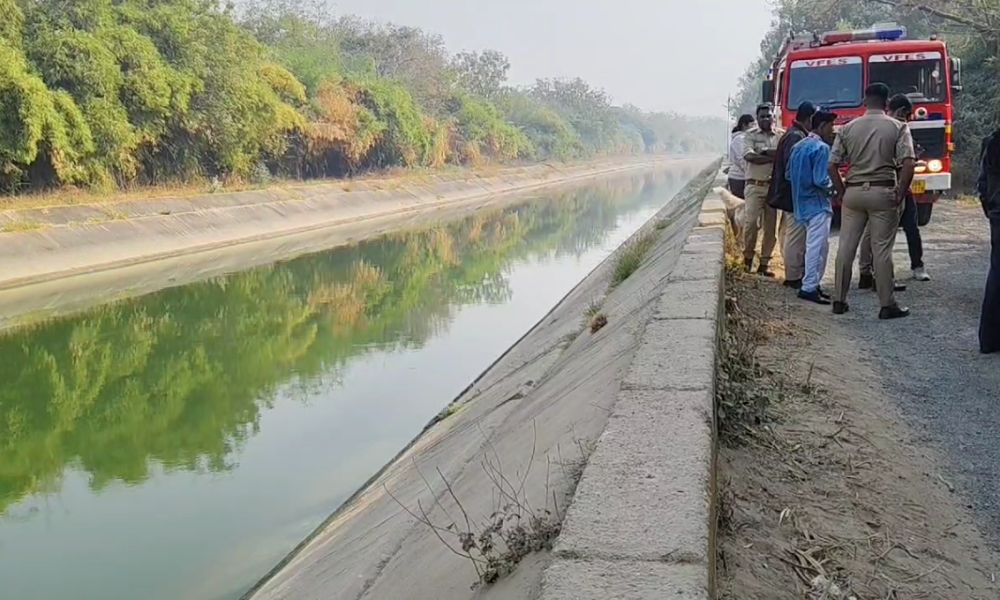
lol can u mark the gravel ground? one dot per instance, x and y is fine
(930, 362)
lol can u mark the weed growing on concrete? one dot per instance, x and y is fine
(515, 529)
(594, 318)
(17, 226)
(598, 322)
(631, 256)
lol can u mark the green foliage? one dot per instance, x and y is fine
(406, 140)
(551, 136)
(481, 124)
(107, 93)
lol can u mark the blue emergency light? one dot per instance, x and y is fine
(880, 33)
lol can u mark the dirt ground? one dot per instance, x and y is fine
(824, 491)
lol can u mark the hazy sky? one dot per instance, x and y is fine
(682, 55)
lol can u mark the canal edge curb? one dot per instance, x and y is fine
(642, 523)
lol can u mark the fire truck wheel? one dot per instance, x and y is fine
(924, 211)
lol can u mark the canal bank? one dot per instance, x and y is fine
(58, 257)
(516, 444)
(226, 418)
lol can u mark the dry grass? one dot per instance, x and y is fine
(515, 529)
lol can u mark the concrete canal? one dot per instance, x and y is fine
(179, 444)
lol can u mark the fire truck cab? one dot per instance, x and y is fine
(833, 69)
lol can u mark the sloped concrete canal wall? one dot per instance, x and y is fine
(617, 424)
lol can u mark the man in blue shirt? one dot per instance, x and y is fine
(812, 190)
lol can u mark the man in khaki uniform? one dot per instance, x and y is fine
(873, 147)
(761, 146)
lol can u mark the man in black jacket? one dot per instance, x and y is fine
(791, 234)
(989, 194)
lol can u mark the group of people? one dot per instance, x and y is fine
(796, 176)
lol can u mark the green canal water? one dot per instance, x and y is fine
(178, 445)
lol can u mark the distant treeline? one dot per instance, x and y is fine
(969, 27)
(112, 93)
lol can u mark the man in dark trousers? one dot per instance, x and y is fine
(989, 194)
(791, 233)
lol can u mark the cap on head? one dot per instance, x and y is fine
(805, 112)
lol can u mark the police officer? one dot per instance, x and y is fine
(873, 146)
(989, 194)
(761, 145)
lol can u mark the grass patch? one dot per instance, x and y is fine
(17, 226)
(631, 257)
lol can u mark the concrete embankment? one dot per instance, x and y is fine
(607, 429)
(65, 258)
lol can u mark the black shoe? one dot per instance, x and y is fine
(815, 297)
(823, 294)
(867, 282)
(748, 265)
(893, 312)
(795, 284)
(840, 308)
(764, 272)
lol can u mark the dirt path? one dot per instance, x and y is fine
(828, 489)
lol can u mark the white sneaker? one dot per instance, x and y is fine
(920, 274)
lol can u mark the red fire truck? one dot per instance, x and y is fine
(833, 69)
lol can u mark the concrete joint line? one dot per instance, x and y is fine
(672, 558)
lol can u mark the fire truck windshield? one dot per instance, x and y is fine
(829, 83)
(921, 80)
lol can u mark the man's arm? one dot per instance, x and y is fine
(982, 185)
(833, 170)
(821, 170)
(906, 159)
(753, 156)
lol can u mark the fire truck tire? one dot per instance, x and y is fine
(924, 211)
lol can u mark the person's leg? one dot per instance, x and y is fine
(793, 247)
(865, 260)
(756, 202)
(883, 222)
(914, 243)
(852, 226)
(770, 227)
(989, 324)
(817, 251)
(826, 224)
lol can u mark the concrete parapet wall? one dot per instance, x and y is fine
(642, 523)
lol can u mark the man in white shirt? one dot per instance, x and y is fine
(736, 164)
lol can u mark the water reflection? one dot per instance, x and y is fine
(180, 380)
(180, 377)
